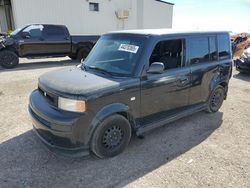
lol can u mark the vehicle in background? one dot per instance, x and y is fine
(43, 40)
(243, 64)
(239, 43)
(131, 82)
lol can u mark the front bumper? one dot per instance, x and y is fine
(56, 129)
(242, 66)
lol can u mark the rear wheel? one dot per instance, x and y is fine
(216, 99)
(8, 59)
(111, 137)
(82, 53)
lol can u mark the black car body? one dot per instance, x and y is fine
(243, 64)
(146, 78)
(43, 40)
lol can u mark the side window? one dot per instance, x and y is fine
(213, 48)
(51, 31)
(198, 51)
(169, 52)
(35, 31)
(223, 46)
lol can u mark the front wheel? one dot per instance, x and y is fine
(8, 59)
(111, 137)
(216, 99)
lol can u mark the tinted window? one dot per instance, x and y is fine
(169, 52)
(35, 31)
(198, 50)
(213, 48)
(223, 46)
(54, 31)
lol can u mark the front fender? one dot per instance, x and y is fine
(106, 112)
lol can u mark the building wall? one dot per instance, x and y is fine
(76, 16)
(157, 14)
(3, 20)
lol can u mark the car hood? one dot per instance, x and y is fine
(6, 41)
(75, 81)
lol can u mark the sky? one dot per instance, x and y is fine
(230, 15)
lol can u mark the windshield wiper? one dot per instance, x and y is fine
(99, 69)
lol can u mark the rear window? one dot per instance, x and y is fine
(223, 46)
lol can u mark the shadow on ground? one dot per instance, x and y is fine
(26, 163)
(41, 64)
(242, 76)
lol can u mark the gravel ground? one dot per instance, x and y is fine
(203, 150)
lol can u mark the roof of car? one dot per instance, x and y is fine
(163, 32)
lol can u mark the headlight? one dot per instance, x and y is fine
(71, 105)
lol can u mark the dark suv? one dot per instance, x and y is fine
(131, 82)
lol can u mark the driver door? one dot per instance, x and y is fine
(31, 42)
(166, 93)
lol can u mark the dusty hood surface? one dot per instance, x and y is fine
(75, 81)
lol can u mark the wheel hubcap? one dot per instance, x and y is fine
(112, 137)
(216, 100)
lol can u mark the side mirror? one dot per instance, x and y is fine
(25, 35)
(156, 68)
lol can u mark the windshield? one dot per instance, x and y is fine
(16, 31)
(115, 55)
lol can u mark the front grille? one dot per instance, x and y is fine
(51, 98)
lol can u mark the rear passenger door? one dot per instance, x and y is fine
(166, 93)
(57, 40)
(206, 66)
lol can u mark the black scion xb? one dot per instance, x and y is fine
(131, 82)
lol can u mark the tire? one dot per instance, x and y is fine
(111, 137)
(216, 99)
(82, 53)
(8, 59)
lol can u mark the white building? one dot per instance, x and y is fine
(88, 16)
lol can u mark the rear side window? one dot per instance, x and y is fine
(198, 50)
(54, 32)
(223, 46)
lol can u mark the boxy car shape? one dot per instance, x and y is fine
(131, 82)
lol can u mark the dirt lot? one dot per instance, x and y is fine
(204, 150)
